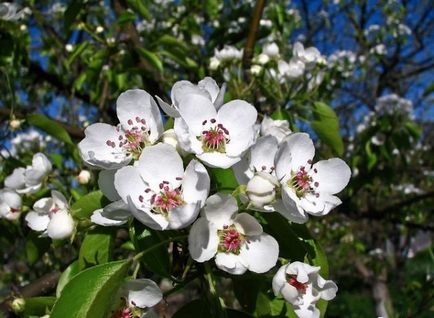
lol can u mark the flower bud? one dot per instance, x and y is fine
(214, 63)
(84, 177)
(61, 225)
(99, 29)
(261, 190)
(18, 305)
(14, 124)
(263, 58)
(256, 69)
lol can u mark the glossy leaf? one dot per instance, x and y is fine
(90, 293)
(37, 306)
(66, 276)
(88, 203)
(96, 247)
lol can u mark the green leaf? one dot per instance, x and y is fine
(156, 260)
(223, 179)
(83, 208)
(96, 247)
(139, 6)
(326, 126)
(90, 293)
(78, 50)
(247, 288)
(37, 306)
(152, 58)
(71, 13)
(66, 276)
(50, 127)
(126, 17)
(35, 247)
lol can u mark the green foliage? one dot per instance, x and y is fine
(83, 208)
(96, 247)
(72, 270)
(37, 306)
(50, 127)
(88, 294)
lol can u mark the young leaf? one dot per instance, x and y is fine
(326, 126)
(90, 293)
(96, 247)
(84, 207)
(50, 127)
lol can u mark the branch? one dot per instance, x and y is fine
(251, 37)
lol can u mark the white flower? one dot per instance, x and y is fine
(271, 49)
(14, 124)
(229, 53)
(84, 177)
(217, 138)
(9, 12)
(99, 29)
(69, 47)
(236, 240)
(10, 204)
(160, 194)
(110, 147)
(263, 59)
(301, 285)
(51, 216)
(29, 179)
(115, 213)
(214, 63)
(277, 128)
(137, 294)
(207, 88)
(256, 69)
(256, 170)
(292, 70)
(308, 56)
(308, 188)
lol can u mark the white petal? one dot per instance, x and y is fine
(289, 209)
(138, 103)
(60, 226)
(183, 88)
(218, 160)
(196, 183)
(153, 220)
(202, 240)
(330, 202)
(210, 86)
(59, 200)
(114, 214)
(41, 162)
(106, 183)
(33, 176)
(43, 205)
(143, 293)
(247, 224)
(129, 184)
(183, 215)
(160, 163)
(240, 140)
(295, 152)
(219, 209)
(220, 99)
(332, 175)
(36, 221)
(328, 288)
(309, 311)
(263, 153)
(195, 109)
(170, 110)
(16, 180)
(99, 219)
(290, 293)
(183, 136)
(261, 253)
(279, 280)
(10, 198)
(311, 204)
(95, 151)
(230, 263)
(237, 115)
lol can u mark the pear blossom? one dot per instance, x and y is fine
(84, 177)
(10, 12)
(51, 216)
(256, 69)
(301, 285)
(206, 87)
(308, 56)
(29, 179)
(10, 204)
(136, 295)
(229, 53)
(306, 187)
(292, 70)
(111, 147)
(235, 240)
(256, 171)
(115, 213)
(158, 191)
(278, 128)
(271, 49)
(217, 138)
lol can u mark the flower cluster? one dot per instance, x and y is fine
(160, 178)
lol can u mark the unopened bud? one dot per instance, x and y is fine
(14, 124)
(99, 29)
(18, 305)
(261, 190)
(84, 177)
(61, 226)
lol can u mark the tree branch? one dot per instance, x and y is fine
(251, 37)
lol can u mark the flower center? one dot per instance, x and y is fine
(13, 210)
(215, 137)
(123, 313)
(301, 287)
(302, 182)
(133, 140)
(231, 240)
(165, 199)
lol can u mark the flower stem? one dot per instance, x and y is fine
(218, 305)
